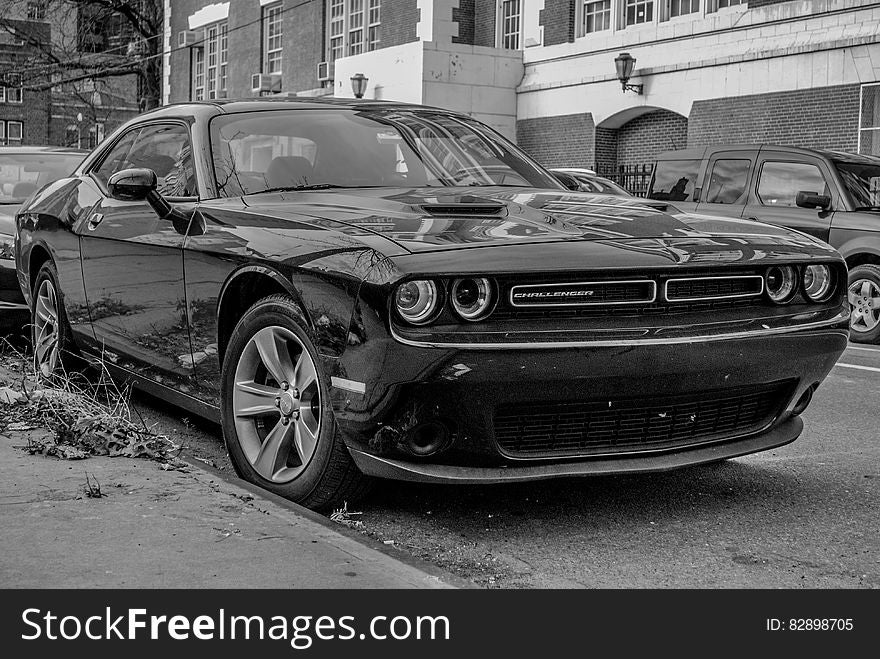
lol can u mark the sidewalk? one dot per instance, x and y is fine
(158, 529)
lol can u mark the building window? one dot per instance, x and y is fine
(682, 7)
(723, 4)
(199, 75)
(596, 16)
(210, 65)
(353, 27)
(11, 133)
(636, 12)
(356, 27)
(272, 35)
(10, 89)
(374, 20)
(510, 24)
(36, 11)
(869, 120)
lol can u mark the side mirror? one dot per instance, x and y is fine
(139, 185)
(132, 184)
(813, 200)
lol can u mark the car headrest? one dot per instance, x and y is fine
(289, 171)
(159, 163)
(24, 189)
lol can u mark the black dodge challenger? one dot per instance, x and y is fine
(374, 289)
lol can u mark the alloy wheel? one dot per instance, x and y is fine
(864, 297)
(277, 404)
(46, 329)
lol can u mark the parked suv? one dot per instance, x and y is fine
(832, 195)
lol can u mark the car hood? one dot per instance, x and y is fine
(441, 219)
(7, 218)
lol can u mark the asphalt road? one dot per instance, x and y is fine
(804, 516)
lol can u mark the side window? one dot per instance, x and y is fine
(117, 159)
(164, 148)
(674, 180)
(781, 181)
(728, 181)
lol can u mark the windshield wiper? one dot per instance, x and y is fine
(307, 188)
(868, 208)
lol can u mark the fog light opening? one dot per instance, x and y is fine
(428, 439)
(804, 401)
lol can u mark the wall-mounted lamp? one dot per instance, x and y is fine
(625, 63)
(359, 84)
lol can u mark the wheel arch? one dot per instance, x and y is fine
(862, 258)
(38, 255)
(241, 290)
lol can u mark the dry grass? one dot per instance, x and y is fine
(344, 516)
(86, 414)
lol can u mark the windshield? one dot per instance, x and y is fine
(862, 181)
(22, 174)
(289, 149)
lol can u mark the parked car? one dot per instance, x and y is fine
(831, 195)
(22, 171)
(348, 290)
(586, 180)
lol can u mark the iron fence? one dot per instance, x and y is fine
(634, 178)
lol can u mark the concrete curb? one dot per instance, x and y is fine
(429, 569)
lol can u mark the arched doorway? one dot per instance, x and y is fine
(628, 142)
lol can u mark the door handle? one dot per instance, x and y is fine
(94, 221)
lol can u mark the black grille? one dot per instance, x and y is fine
(627, 297)
(633, 425)
(505, 312)
(582, 293)
(713, 288)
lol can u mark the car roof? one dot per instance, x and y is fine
(22, 150)
(231, 106)
(698, 153)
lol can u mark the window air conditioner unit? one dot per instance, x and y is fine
(265, 83)
(188, 38)
(325, 71)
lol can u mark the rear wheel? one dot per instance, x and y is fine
(54, 350)
(277, 419)
(864, 297)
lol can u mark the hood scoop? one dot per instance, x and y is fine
(465, 208)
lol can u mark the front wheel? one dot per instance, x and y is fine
(864, 297)
(54, 350)
(277, 419)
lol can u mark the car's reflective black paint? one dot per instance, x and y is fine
(158, 299)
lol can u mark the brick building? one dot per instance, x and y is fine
(24, 115)
(802, 72)
(77, 113)
(439, 52)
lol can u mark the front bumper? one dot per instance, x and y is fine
(399, 386)
(381, 467)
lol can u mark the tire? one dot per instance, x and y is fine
(54, 349)
(280, 437)
(864, 296)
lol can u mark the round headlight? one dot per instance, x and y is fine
(781, 281)
(416, 301)
(817, 282)
(472, 297)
